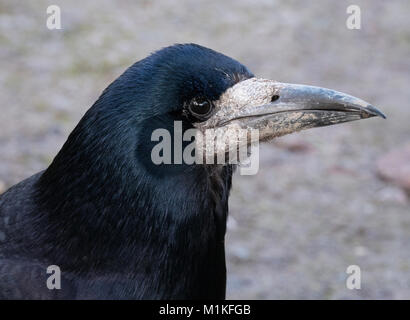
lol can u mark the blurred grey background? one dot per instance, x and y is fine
(318, 203)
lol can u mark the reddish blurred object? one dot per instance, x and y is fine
(342, 170)
(294, 145)
(395, 167)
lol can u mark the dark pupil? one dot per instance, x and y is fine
(200, 107)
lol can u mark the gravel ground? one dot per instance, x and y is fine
(316, 206)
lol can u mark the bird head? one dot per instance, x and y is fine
(209, 91)
(203, 91)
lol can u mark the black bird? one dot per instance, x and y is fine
(122, 227)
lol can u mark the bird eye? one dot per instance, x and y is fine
(200, 108)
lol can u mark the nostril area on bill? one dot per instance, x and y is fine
(274, 98)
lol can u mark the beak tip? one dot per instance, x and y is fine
(376, 112)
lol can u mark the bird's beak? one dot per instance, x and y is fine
(276, 109)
